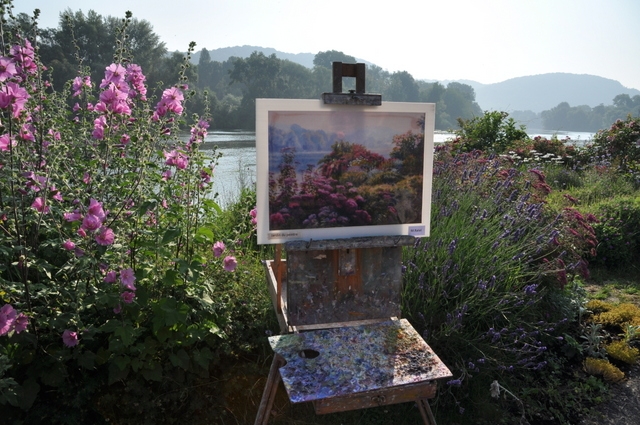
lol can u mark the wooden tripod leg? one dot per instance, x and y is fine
(270, 389)
(425, 411)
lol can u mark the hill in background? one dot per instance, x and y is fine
(545, 91)
(535, 93)
(224, 53)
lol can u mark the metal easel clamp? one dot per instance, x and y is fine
(354, 97)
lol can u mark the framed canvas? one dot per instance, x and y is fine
(342, 171)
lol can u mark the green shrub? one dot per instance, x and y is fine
(619, 144)
(618, 231)
(492, 132)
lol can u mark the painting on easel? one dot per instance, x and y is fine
(336, 171)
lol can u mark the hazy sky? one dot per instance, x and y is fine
(487, 41)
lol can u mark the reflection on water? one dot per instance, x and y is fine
(237, 166)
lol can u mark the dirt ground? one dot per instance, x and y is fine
(624, 406)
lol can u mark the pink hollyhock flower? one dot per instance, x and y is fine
(7, 68)
(82, 233)
(127, 297)
(125, 139)
(24, 57)
(40, 205)
(205, 176)
(86, 178)
(218, 248)
(254, 214)
(105, 236)
(5, 99)
(6, 142)
(68, 245)
(117, 309)
(56, 134)
(91, 222)
(110, 277)
(176, 158)
(73, 216)
(136, 78)
(76, 86)
(7, 317)
(115, 99)
(171, 101)
(26, 133)
(95, 208)
(166, 175)
(230, 263)
(127, 278)
(99, 125)
(199, 131)
(15, 96)
(114, 73)
(70, 338)
(21, 323)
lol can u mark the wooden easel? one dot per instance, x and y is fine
(346, 290)
(327, 288)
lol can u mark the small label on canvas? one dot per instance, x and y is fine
(417, 230)
(278, 235)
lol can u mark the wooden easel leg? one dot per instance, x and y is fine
(425, 411)
(270, 389)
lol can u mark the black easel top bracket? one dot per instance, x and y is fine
(357, 97)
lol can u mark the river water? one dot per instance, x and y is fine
(237, 166)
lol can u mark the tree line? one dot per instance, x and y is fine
(229, 88)
(586, 118)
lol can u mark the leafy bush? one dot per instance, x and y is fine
(620, 143)
(618, 231)
(107, 269)
(493, 132)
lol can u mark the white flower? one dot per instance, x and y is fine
(495, 389)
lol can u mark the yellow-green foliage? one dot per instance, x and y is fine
(602, 367)
(620, 350)
(598, 306)
(619, 315)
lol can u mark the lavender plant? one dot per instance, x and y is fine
(489, 288)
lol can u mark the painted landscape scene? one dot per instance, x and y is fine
(338, 169)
